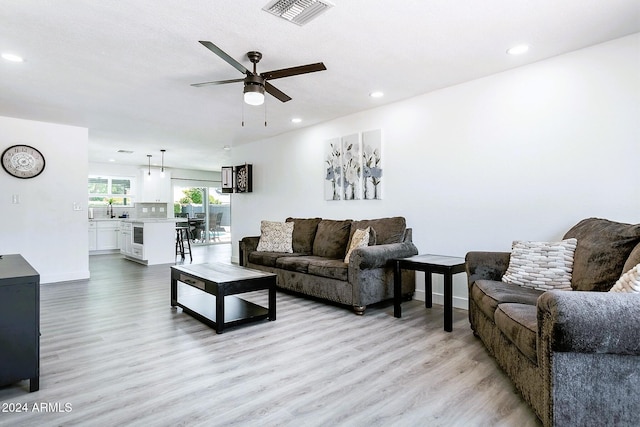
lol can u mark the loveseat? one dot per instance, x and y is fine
(573, 354)
(317, 264)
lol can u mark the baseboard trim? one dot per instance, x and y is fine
(462, 303)
(70, 276)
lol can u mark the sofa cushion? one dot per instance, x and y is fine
(487, 294)
(331, 239)
(331, 268)
(268, 259)
(388, 230)
(304, 232)
(541, 265)
(519, 323)
(629, 281)
(293, 263)
(359, 239)
(275, 237)
(603, 248)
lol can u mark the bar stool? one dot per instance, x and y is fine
(182, 235)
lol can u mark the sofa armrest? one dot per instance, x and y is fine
(246, 246)
(378, 256)
(590, 322)
(486, 265)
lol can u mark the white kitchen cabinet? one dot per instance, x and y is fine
(107, 235)
(156, 245)
(104, 235)
(93, 242)
(125, 238)
(155, 188)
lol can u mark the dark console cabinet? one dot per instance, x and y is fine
(19, 322)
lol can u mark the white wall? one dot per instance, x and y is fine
(523, 154)
(43, 227)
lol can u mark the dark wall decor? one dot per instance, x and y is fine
(237, 179)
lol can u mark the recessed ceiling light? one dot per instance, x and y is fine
(226, 147)
(296, 120)
(518, 49)
(376, 94)
(11, 57)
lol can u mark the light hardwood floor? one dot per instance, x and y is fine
(115, 353)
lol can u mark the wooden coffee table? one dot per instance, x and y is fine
(208, 294)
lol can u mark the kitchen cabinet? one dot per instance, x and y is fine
(93, 239)
(155, 188)
(125, 238)
(152, 241)
(19, 322)
(104, 235)
(107, 235)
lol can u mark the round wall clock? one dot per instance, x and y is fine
(23, 161)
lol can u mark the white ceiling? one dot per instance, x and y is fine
(123, 69)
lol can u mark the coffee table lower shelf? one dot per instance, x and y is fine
(202, 306)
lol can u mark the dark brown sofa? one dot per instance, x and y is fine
(573, 355)
(317, 266)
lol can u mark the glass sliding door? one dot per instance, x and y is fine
(208, 211)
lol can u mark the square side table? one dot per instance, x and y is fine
(445, 265)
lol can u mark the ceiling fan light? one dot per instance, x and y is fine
(254, 94)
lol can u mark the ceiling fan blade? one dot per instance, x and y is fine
(215, 49)
(271, 89)
(293, 71)
(219, 82)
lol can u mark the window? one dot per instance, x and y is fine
(117, 190)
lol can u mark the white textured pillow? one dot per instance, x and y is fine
(276, 237)
(629, 281)
(541, 265)
(360, 239)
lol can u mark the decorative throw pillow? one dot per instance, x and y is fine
(360, 239)
(634, 259)
(541, 265)
(629, 282)
(276, 237)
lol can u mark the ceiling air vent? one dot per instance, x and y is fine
(297, 11)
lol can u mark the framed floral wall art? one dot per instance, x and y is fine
(353, 167)
(372, 165)
(333, 168)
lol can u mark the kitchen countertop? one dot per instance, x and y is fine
(153, 220)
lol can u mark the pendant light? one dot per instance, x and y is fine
(149, 173)
(162, 170)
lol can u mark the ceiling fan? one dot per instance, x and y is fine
(256, 84)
